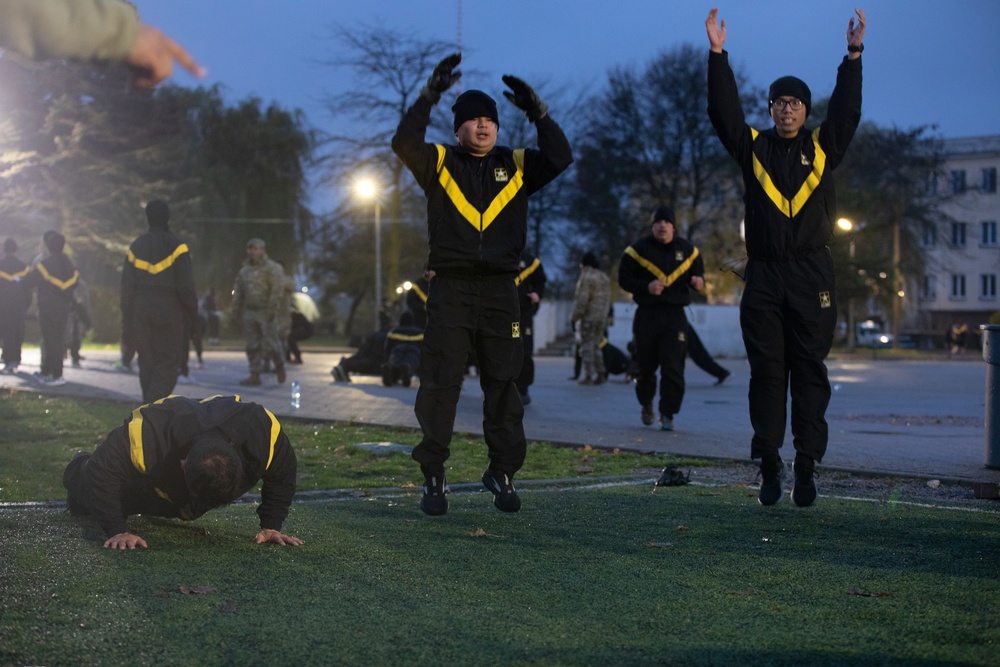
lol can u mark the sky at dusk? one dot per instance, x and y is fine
(926, 62)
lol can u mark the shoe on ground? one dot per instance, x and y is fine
(340, 375)
(10, 369)
(76, 363)
(804, 486)
(772, 473)
(501, 485)
(184, 379)
(50, 381)
(121, 367)
(434, 501)
(648, 416)
(666, 423)
(279, 372)
(252, 380)
(722, 378)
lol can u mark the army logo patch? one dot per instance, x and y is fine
(679, 256)
(805, 160)
(515, 329)
(500, 175)
(681, 337)
(824, 300)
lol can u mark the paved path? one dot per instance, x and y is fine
(920, 418)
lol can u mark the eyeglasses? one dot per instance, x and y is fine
(795, 104)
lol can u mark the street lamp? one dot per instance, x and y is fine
(848, 227)
(367, 189)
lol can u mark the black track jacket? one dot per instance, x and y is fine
(477, 208)
(146, 461)
(790, 198)
(674, 263)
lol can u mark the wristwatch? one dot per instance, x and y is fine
(851, 48)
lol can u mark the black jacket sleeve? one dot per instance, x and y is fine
(410, 145)
(844, 113)
(278, 488)
(551, 158)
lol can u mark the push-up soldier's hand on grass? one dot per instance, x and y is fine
(277, 537)
(125, 541)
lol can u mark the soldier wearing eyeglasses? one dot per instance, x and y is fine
(788, 312)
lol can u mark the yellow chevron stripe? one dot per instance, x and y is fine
(790, 208)
(61, 284)
(275, 432)
(160, 266)
(406, 338)
(528, 270)
(15, 276)
(420, 292)
(135, 435)
(480, 220)
(655, 270)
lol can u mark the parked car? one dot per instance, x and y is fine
(871, 334)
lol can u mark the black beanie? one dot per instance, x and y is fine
(55, 242)
(663, 213)
(790, 86)
(157, 213)
(590, 259)
(10, 246)
(474, 104)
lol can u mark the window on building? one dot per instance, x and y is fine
(990, 179)
(958, 180)
(958, 234)
(928, 234)
(928, 287)
(988, 286)
(931, 185)
(989, 237)
(957, 286)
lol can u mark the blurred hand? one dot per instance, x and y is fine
(276, 537)
(152, 57)
(124, 541)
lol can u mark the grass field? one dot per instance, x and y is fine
(586, 574)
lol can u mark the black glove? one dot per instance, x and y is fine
(524, 98)
(443, 78)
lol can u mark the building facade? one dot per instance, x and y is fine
(961, 251)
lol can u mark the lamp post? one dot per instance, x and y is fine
(367, 189)
(848, 227)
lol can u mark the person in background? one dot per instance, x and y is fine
(14, 301)
(477, 222)
(591, 305)
(79, 322)
(257, 299)
(788, 312)
(54, 278)
(179, 458)
(659, 270)
(159, 303)
(703, 359)
(530, 291)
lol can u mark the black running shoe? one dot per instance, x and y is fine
(434, 502)
(648, 416)
(772, 472)
(501, 486)
(804, 487)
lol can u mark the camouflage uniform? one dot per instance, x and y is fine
(257, 297)
(590, 308)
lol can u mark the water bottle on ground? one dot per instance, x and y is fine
(296, 394)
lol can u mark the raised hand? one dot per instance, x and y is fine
(716, 33)
(524, 98)
(855, 33)
(442, 78)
